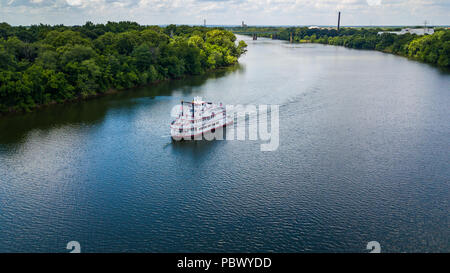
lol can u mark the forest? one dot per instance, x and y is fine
(43, 64)
(433, 49)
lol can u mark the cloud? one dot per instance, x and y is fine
(227, 12)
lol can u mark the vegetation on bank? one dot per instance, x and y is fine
(433, 49)
(44, 64)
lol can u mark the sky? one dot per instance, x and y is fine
(227, 12)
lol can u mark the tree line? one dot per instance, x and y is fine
(43, 64)
(433, 49)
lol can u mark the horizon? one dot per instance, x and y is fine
(225, 25)
(228, 12)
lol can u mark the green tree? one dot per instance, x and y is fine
(41, 64)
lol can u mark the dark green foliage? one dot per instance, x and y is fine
(433, 49)
(42, 64)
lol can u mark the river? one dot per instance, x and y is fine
(363, 156)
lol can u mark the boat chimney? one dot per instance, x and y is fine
(181, 107)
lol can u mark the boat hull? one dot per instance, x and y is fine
(191, 137)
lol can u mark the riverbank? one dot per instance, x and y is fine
(433, 49)
(11, 112)
(44, 65)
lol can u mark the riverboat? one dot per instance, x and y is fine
(198, 117)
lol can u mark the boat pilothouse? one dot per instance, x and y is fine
(198, 117)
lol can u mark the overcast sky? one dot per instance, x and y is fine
(227, 12)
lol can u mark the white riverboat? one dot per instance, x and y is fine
(197, 118)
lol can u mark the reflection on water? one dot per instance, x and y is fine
(199, 148)
(15, 128)
(363, 156)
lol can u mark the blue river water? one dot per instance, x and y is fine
(363, 156)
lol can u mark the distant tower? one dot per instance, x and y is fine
(204, 22)
(339, 20)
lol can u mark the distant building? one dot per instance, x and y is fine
(317, 27)
(243, 25)
(417, 31)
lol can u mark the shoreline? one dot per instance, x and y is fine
(62, 64)
(110, 91)
(442, 68)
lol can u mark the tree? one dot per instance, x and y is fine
(145, 56)
(41, 64)
(76, 53)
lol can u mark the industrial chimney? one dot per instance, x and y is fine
(339, 20)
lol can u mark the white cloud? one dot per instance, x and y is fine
(74, 2)
(374, 2)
